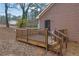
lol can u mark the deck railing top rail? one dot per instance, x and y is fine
(61, 33)
(55, 35)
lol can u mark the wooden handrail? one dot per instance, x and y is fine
(60, 41)
(55, 35)
(62, 33)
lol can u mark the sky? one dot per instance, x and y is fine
(13, 11)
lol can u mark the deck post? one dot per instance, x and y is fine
(66, 38)
(27, 35)
(16, 34)
(46, 39)
(61, 46)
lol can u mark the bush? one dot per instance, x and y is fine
(21, 23)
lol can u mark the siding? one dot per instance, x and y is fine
(64, 16)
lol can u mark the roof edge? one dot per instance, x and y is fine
(45, 10)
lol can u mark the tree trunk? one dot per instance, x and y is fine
(6, 15)
(23, 14)
(26, 11)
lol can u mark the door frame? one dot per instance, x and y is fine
(47, 24)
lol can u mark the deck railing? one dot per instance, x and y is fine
(26, 34)
(59, 41)
(61, 38)
(64, 36)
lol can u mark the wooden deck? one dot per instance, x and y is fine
(41, 44)
(40, 38)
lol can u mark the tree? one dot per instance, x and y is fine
(35, 9)
(7, 6)
(25, 8)
(6, 14)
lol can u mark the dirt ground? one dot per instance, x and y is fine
(10, 47)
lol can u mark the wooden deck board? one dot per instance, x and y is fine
(34, 42)
(37, 43)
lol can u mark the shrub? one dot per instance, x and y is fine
(21, 23)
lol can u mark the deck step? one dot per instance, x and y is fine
(53, 48)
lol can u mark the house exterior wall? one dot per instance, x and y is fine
(63, 16)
